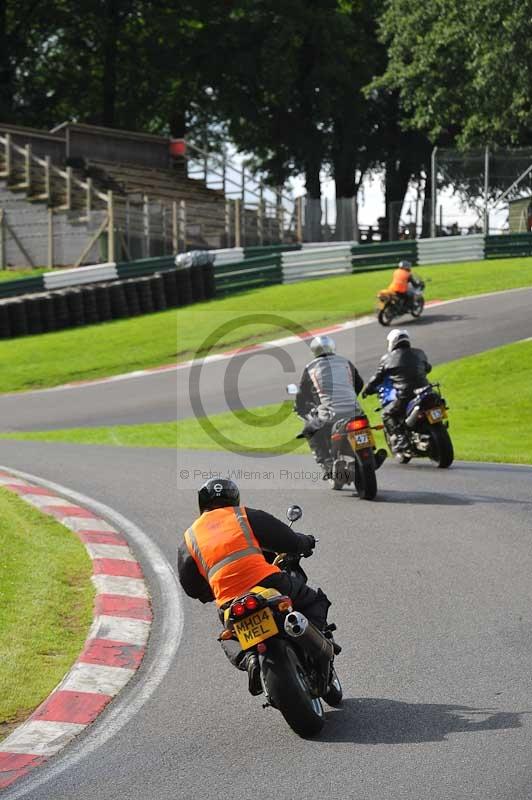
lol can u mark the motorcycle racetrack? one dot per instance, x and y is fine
(430, 586)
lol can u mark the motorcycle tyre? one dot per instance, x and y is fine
(441, 447)
(417, 307)
(286, 685)
(334, 694)
(386, 316)
(365, 478)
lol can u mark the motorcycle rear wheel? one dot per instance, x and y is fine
(385, 315)
(334, 694)
(287, 686)
(417, 307)
(441, 447)
(365, 478)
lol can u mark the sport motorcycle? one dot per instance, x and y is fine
(296, 659)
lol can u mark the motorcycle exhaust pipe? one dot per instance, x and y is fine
(412, 418)
(297, 626)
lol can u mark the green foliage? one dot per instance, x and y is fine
(462, 67)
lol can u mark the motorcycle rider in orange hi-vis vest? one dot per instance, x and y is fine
(229, 549)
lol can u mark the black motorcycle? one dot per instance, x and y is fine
(296, 659)
(425, 426)
(354, 458)
(392, 305)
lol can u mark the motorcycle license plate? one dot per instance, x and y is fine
(361, 439)
(255, 628)
(436, 414)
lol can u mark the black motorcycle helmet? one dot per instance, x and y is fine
(218, 493)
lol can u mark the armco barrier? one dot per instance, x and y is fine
(144, 266)
(450, 249)
(249, 274)
(366, 257)
(319, 262)
(508, 246)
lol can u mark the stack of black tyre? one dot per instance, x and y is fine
(91, 303)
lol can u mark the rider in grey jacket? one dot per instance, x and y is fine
(329, 385)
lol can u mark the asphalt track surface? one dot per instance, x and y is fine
(432, 597)
(433, 601)
(453, 330)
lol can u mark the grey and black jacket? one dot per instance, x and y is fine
(329, 381)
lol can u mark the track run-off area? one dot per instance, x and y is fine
(430, 586)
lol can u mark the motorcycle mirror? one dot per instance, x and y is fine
(294, 513)
(291, 388)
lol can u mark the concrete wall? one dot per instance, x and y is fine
(30, 224)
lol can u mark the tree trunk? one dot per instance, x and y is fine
(312, 231)
(110, 41)
(6, 87)
(396, 185)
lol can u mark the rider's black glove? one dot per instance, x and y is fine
(311, 544)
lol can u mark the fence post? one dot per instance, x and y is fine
(175, 232)
(88, 199)
(224, 170)
(50, 237)
(2, 240)
(227, 223)
(183, 222)
(486, 190)
(262, 213)
(299, 219)
(69, 188)
(47, 180)
(110, 227)
(9, 155)
(146, 224)
(280, 215)
(27, 167)
(237, 222)
(433, 194)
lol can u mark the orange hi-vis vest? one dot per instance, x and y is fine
(226, 552)
(399, 281)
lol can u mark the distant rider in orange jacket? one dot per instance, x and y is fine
(403, 282)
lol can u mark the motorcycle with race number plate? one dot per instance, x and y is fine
(426, 425)
(354, 457)
(296, 659)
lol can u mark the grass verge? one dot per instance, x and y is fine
(45, 609)
(490, 395)
(16, 274)
(95, 351)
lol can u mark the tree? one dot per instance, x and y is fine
(463, 68)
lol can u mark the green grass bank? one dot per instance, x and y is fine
(96, 351)
(46, 599)
(489, 394)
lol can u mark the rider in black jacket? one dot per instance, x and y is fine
(407, 367)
